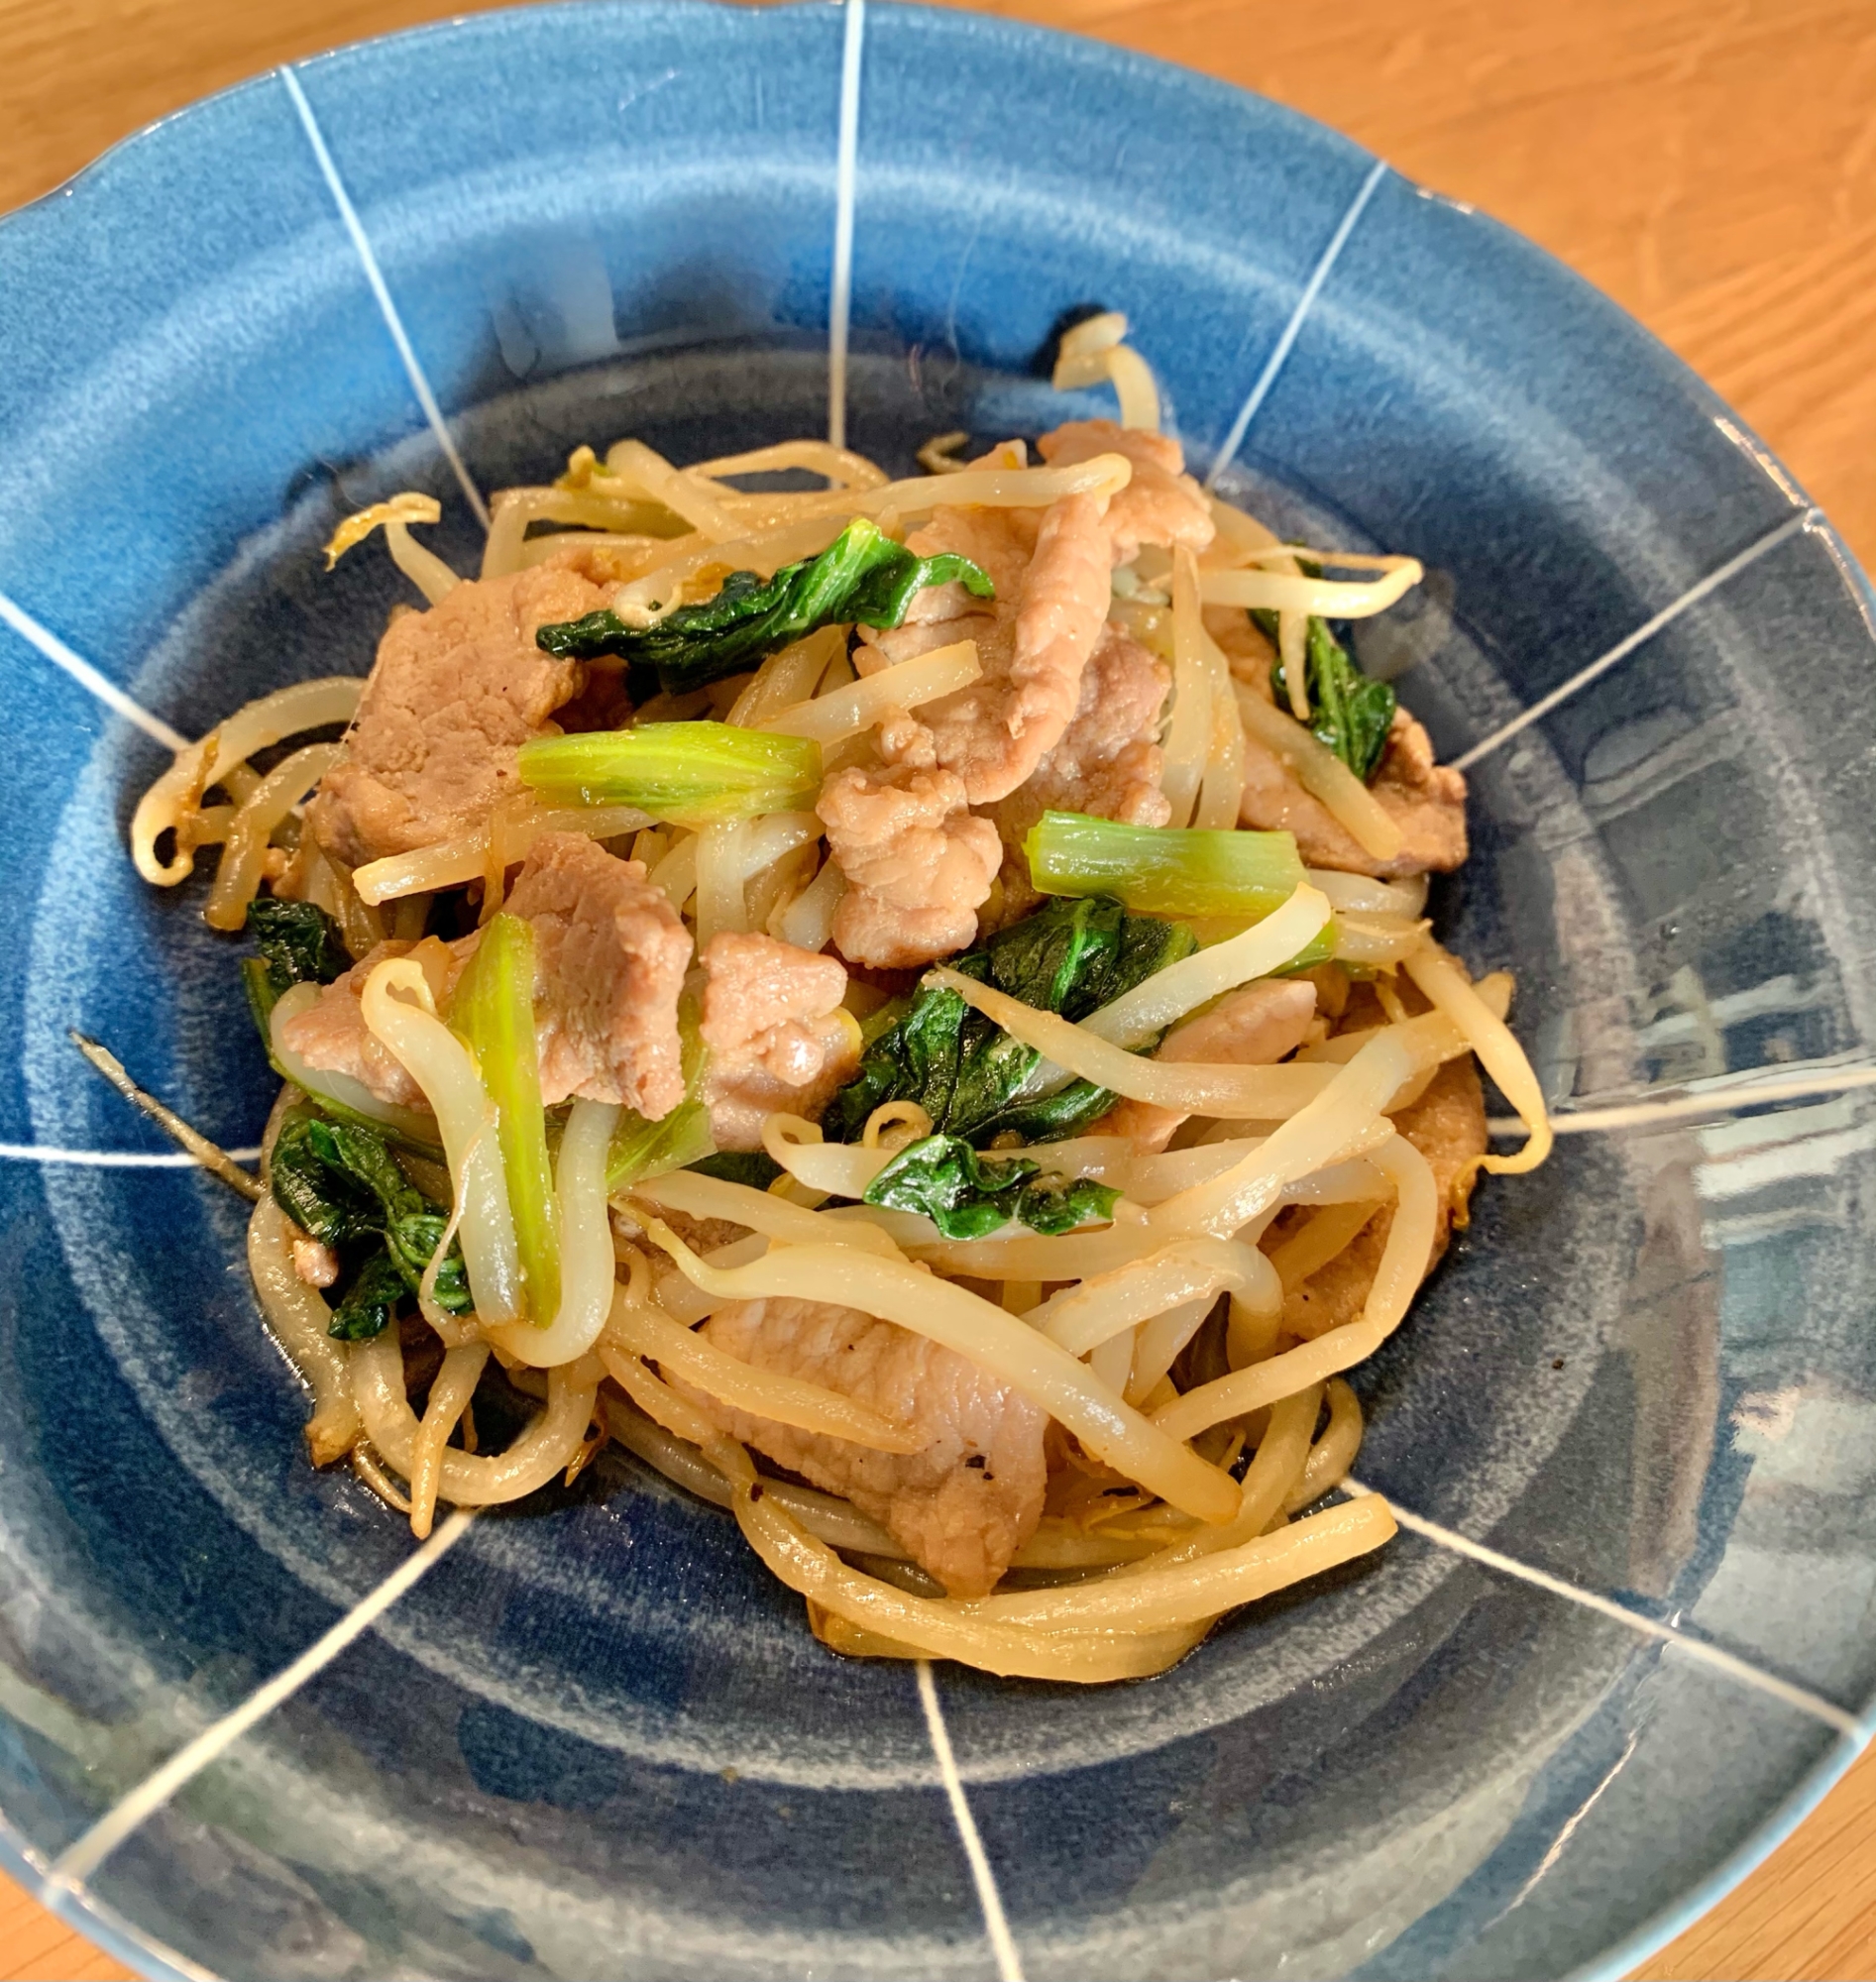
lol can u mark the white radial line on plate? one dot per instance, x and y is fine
(1234, 440)
(374, 276)
(86, 676)
(1802, 519)
(1686, 1107)
(114, 1160)
(80, 1860)
(1744, 1671)
(845, 181)
(996, 1927)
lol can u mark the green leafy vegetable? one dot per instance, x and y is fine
(862, 577)
(1238, 877)
(299, 943)
(966, 1072)
(370, 1305)
(643, 1148)
(681, 1139)
(960, 1068)
(754, 1168)
(967, 1195)
(492, 1007)
(1164, 870)
(1053, 1205)
(339, 1182)
(690, 773)
(1349, 713)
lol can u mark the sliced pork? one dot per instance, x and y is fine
(918, 864)
(610, 957)
(1032, 640)
(1107, 765)
(1256, 1026)
(453, 695)
(1446, 1125)
(331, 1035)
(1425, 798)
(777, 1035)
(1160, 506)
(965, 1502)
(1106, 762)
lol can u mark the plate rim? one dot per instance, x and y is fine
(78, 194)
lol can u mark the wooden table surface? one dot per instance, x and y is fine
(1710, 163)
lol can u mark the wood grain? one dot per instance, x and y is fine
(1710, 163)
(35, 1947)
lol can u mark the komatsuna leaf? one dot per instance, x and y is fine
(1348, 711)
(863, 578)
(1168, 870)
(493, 1008)
(299, 943)
(943, 1178)
(369, 1301)
(681, 1139)
(964, 1070)
(754, 1168)
(411, 1241)
(339, 1182)
(1076, 956)
(1164, 870)
(696, 774)
(1053, 1205)
(967, 1195)
(317, 1189)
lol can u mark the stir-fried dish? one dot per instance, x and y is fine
(905, 1003)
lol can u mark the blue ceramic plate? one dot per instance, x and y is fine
(595, 1739)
